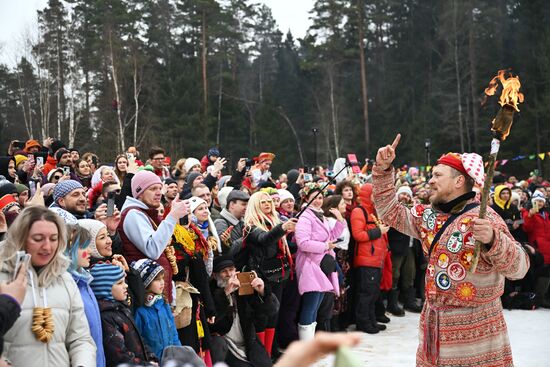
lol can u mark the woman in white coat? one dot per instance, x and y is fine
(52, 329)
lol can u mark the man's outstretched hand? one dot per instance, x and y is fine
(386, 155)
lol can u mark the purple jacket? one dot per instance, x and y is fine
(312, 237)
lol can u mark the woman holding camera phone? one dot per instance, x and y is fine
(265, 239)
(52, 328)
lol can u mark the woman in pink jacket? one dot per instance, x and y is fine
(315, 259)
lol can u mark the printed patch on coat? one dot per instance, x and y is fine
(427, 212)
(466, 258)
(443, 260)
(454, 244)
(466, 291)
(464, 224)
(443, 281)
(469, 239)
(430, 222)
(430, 270)
(417, 210)
(457, 272)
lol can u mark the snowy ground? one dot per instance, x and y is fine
(529, 333)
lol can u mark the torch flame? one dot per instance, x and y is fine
(510, 89)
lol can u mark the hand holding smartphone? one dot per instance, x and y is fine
(246, 279)
(21, 259)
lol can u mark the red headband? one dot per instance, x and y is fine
(453, 160)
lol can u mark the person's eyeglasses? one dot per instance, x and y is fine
(269, 201)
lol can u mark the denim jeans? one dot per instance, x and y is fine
(310, 304)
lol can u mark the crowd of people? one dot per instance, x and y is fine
(137, 262)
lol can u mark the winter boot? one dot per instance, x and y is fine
(393, 305)
(369, 329)
(410, 300)
(541, 289)
(307, 332)
(380, 312)
(269, 336)
(380, 327)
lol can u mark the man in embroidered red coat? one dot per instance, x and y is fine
(462, 322)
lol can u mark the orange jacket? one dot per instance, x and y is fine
(371, 245)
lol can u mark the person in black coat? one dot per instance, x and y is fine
(239, 341)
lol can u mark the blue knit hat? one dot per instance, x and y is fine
(147, 269)
(105, 275)
(65, 187)
(213, 152)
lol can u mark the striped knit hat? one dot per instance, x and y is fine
(147, 269)
(105, 275)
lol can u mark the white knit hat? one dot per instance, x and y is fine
(93, 226)
(285, 195)
(404, 189)
(190, 163)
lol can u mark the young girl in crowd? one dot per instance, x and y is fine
(265, 237)
(52, 329)
(77, 252)
(154, 320)
(101, 250)
(315, 259)
(83, 172)
(122, 341)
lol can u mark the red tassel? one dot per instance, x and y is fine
(269, 336)
(261, 336)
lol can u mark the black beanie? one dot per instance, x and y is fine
(292, 176)
(56, 145)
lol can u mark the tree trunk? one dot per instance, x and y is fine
(333, 113)
(473, 81)
(363, 67)
(120, 129)
(457, 73)
(137, 91)
(204, 79)
(220, 97)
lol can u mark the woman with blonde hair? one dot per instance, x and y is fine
(269, 255)
(52, 329)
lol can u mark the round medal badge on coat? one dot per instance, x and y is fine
(464, 224)
(457, 272)
(466, 291)
(466, 258)
(426, 213)
(454, 244)
(443, 260)
(469, 239)
(443, 281)
(430, 222)
(417, 210)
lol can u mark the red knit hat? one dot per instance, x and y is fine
(452, 160)
(469, 164)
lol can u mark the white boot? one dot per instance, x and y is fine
(307, 332)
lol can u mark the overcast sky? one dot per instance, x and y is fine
(19, 16)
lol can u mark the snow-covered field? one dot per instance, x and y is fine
(529, 333)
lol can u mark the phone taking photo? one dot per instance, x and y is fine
(111, 203)
(21, 258)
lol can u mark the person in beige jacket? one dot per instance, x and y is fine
(52, 329)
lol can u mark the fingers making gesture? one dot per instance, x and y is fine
(386, 155)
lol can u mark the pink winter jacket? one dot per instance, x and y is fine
(312, 237)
